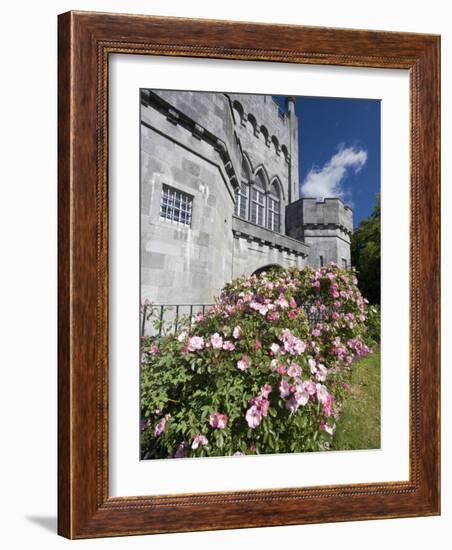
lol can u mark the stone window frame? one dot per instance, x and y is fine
(186, 199)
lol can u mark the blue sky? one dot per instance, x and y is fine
(339, 145)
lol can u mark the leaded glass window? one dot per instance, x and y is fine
(258, 202)
(274, 209)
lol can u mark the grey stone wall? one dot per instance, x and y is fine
(256, 247)
(181, 264)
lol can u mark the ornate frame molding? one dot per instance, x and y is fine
(85, 42)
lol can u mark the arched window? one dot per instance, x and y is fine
(258, 205)
(267, 269)
(274, 208)
(243, 193)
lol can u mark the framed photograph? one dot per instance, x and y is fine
(248, 275)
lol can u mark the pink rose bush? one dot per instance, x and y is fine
(265, 370)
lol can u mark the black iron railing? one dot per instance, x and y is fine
(163, 319)
(167, 318)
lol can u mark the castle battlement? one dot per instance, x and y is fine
(327, 212)
(326, 225)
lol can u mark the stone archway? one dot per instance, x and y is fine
(265, 268)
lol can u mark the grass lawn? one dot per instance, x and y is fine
(359, 424)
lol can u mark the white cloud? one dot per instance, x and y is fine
(327, 181)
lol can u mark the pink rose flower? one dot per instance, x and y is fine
(253, 417)
(322, 373)
(153, 350)
(218, 420)
(264, 405)
(195, 343)
(294, 370)
(292, 344)
(284, 388)
(273, 316)
(244, 363)
(266, 389)
(216, 341)
(309, 387)
(326, 428)
(274, 348)
(282, 302)
(328, 405)
(301, 396)
(236, 332)
(322, 393)
(312, 365)
(228, 346)
(199, 440)
(160, 427)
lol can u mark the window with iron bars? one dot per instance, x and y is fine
(176, 206)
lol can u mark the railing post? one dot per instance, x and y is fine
(177, 318)
(161, 320)
(143, 323)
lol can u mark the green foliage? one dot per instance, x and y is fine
(366, 255)
(253, 375)
(373, 323)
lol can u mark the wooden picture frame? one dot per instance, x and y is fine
(86, 40)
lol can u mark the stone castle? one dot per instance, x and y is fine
(220, 195)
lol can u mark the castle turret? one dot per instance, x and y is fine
(326, 225)
(293, 150)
